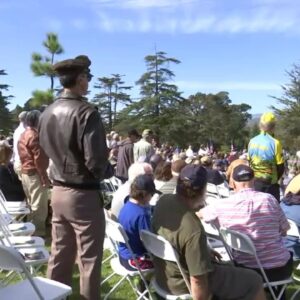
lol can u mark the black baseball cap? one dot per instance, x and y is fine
(196, 175)
(145, 182)
(242, 173)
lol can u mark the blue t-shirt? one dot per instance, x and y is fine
(133, 218)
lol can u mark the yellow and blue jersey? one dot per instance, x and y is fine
(264, 154)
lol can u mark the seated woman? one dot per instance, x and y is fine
(135, 216)
(10, 185)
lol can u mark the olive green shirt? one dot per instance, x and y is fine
(182, 228)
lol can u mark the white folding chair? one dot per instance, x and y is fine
(215, 241)
(17, 209)
(8, 239)
(222, 190)
(22, 228)
(211, 199)
(294, 230)
(242, 243)
(31, 288)
(212, 189)
(108, 245)
(161, 248)
(116, 234)
(32, 248)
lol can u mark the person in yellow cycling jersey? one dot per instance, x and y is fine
(265, 157)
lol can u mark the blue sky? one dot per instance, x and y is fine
(240, 46)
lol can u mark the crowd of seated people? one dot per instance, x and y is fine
(164, 178)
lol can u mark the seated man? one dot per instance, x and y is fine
(174, 218)
(259, 216)
(135, 216)
(213, 176)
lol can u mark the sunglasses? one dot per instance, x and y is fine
(88, 75)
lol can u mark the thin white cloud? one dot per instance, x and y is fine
(79, 24)
(227, 86)
(140, 4)
(54, 24)
(230, 24)
(196, 16)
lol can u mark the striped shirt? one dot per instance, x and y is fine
(259, 216)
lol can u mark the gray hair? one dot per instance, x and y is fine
(22, 116)
(32, 118)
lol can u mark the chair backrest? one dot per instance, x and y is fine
(4, 228)
(161, 248)
(211, 198)
(8, 218)
(115, 231)
(212, 189)
(294, 230)
(11, 260)
(210, 229)
(238, 241)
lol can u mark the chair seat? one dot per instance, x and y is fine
(16, 205)
(24, 241)
(34, 256)
(166, 295)
(50, 289)
(21, 228)
(120, 270)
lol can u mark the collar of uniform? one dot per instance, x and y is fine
(68, 95)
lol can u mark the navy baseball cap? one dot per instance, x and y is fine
(242, 173)
(145, 182)
(196, 175)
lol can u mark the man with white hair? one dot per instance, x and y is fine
(17, 133)
(143, 150)
(121, 195)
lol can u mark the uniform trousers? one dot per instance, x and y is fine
(37, 199)
(78, 228)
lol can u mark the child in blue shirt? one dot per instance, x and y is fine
(135, 216)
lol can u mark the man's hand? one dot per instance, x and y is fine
(215, 256)
(46, 183)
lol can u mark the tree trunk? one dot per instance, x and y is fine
(52, 76)
(157, 102)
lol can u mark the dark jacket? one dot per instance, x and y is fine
(125, 158)
(10, 184)
(72, 135)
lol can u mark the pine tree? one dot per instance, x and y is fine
(5, 116)
(42, 65)
(112, 94)
(158, 95)
(288, 127)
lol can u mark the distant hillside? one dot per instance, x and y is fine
(255, 119)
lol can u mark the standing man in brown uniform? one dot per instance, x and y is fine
(72, 135)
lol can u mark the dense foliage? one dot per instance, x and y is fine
(288, 128)
(5, 115)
